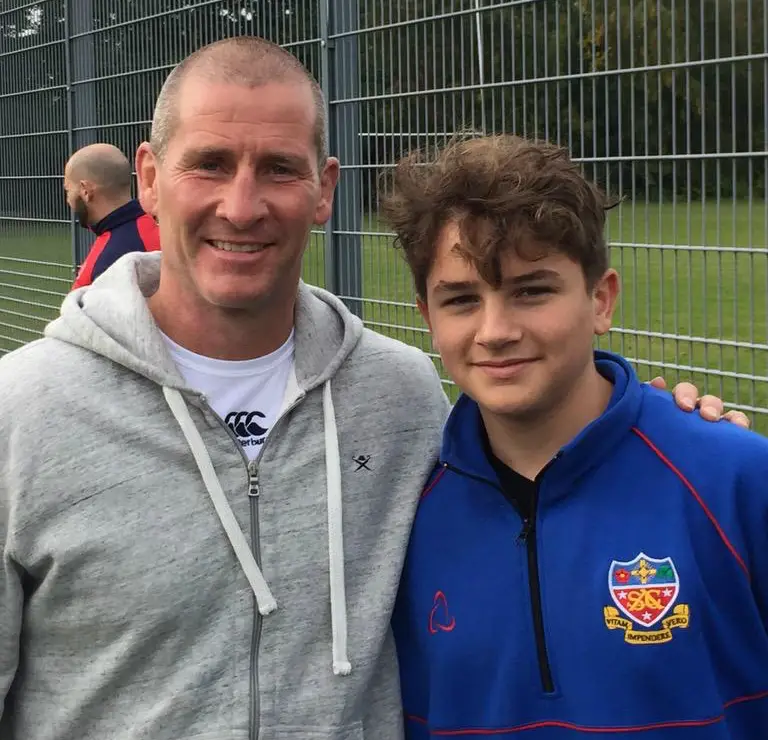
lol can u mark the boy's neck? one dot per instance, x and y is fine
(527, 444)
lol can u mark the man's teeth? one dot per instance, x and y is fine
(232, 247)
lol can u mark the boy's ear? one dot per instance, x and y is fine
(423, 307)
(421, 304)
(604, 296)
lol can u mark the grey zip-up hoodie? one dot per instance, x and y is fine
(155, 586)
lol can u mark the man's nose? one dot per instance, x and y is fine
(242, 202)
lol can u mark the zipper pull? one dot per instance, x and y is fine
(253, 484)
(526, 531)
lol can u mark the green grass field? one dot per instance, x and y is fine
(714, 302)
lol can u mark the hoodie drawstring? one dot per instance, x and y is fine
(341, 664)
(264, 598)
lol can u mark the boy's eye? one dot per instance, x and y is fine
(459, 300)
(535, 290)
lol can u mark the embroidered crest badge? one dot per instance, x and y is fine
(645, 590)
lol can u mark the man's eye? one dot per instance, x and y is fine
(281, 169)
(209, 166)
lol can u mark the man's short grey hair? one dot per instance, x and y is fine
(249, 61)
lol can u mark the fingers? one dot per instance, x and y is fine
(659, 382)
(686, 396)
(711, 407)
(739, 418)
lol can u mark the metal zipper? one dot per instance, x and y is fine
(253, 502)
(253, 499)
(254, 490)
(527, 536)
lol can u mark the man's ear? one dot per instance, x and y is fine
(146, 178)
(604, 296)
(329, 178)
(85, 189)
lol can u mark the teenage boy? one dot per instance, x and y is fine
(578, 564)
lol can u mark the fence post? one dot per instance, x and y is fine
(82, 107)
(70, 122)
(341, 82)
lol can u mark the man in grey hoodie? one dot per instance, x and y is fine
(208, 470)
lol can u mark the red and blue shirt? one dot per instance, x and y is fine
(126, 229)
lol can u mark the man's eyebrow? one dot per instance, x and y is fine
(205, 152)
(217, 153)
(297, 160)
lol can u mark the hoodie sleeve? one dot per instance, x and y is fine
(11, 603)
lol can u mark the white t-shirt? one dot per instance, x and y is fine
(247, 394)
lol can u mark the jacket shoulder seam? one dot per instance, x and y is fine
(696, 495)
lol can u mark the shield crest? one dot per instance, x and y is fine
(644, 589)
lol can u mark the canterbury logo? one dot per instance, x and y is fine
(244, 424)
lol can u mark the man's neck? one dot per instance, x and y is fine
(527, 444)
(100, 210)
(223, 334)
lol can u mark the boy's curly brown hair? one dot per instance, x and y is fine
(505, 192)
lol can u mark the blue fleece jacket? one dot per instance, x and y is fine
(633, 605)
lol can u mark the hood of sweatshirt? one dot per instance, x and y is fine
(112, 319)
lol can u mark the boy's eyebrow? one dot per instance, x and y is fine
(529, 277)
(450, 286)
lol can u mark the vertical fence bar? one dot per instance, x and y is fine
(83, 97)
(480, 64)
(325, 84)
(70, 120)
(344, 128)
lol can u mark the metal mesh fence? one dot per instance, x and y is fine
(35, 252)
(665, 102)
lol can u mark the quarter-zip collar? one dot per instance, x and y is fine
(463, 450)
(129, 211)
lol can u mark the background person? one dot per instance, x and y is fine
(97, 181)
